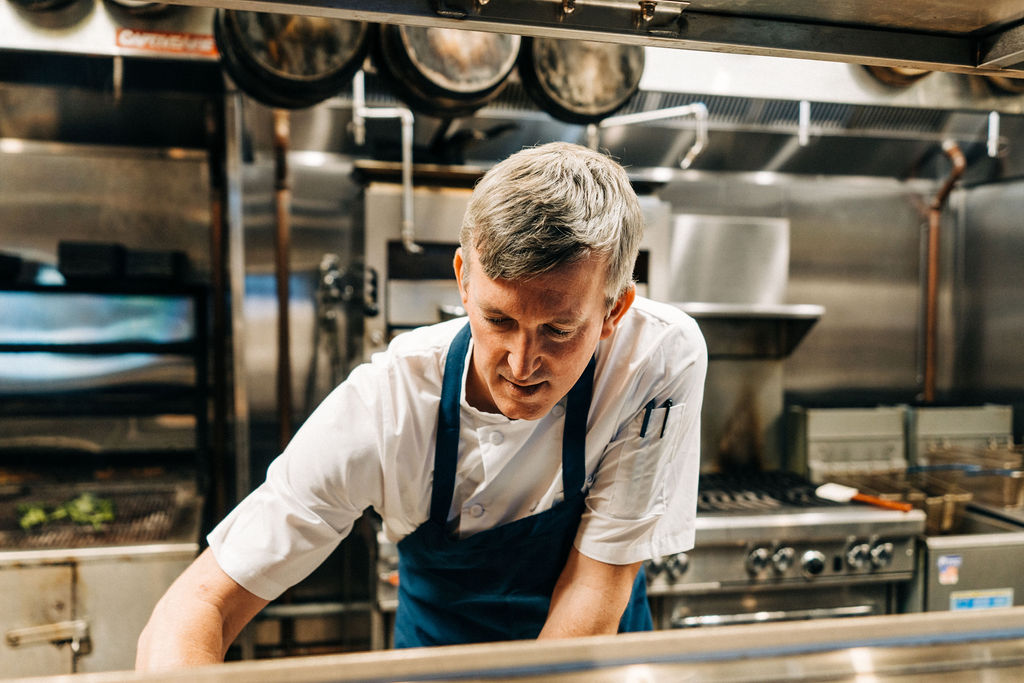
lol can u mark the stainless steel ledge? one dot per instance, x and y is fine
(922, 34)
(948, 646)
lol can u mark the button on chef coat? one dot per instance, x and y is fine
(371, 442)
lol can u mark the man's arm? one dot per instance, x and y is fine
(589, 598)
(202, 612)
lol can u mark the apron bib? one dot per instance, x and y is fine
(496, 584)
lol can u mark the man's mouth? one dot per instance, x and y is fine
(523, 390)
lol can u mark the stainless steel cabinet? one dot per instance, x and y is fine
(80, 611)
(977, 569)
(31, 599)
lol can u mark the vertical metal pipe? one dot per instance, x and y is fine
(992, 145)
(236, 287)
(952, 150)
(360, 112)
(282, 239)
(217, 473)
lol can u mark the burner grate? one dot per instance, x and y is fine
(756, 491)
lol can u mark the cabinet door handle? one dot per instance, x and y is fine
(75, 632)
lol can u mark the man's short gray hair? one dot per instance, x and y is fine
(552, 205)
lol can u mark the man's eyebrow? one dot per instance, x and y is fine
(491, 310)
(568, 319)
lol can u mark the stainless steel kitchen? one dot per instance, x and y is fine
(214, 212)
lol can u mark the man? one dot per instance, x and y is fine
(526, 462)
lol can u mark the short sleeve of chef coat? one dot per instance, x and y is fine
(369, 443)
(642, 498)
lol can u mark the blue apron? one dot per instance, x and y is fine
(496, 584)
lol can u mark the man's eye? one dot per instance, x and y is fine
(496, 321)
(559, 333)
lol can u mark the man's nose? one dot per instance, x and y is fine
(523, 356)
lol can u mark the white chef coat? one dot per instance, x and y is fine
(371, 443)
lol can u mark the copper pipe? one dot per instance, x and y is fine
(282, 238)
(952, 150)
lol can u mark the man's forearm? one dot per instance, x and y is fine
(197, 619)
(589, 598)
(181, 634)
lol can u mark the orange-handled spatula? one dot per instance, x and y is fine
(844, 494)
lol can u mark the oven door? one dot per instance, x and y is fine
(719, 607)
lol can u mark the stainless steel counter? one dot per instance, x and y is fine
(982, 645)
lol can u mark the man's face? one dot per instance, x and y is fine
(533, 338)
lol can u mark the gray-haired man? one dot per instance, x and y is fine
(526, 461)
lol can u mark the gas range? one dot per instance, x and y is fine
(768, 530)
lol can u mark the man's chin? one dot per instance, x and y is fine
(524, 410)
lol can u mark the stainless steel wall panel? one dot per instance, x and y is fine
(729, 259)
(854, 249)
(325, 217)
(990, 305)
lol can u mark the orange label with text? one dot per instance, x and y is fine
(167, 42)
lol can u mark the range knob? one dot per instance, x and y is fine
(812, 563)
(758, 561)
(676, 565)
(859, 556)
(782, 559)
(881, 555)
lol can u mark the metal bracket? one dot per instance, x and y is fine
(654, 17)
(450, 10)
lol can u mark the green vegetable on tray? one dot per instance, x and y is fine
(32, 515)
(85, 509)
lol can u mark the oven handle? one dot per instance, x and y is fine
(75, 632)
(775, 615)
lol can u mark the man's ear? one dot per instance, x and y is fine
(617, 311)
(459, 264)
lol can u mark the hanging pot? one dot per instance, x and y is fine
(1006, 85)
(897, 76)
(289, 61)
(42, 5)
(140, 7)
(445, 72)
(580, 81)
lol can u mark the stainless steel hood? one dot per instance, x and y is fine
(943, 35)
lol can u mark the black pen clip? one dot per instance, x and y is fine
(648, 409)
(667, 405)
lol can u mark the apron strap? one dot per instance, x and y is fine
(574, 432)
(446, 445)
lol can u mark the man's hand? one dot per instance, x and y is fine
(589, 598)
(202, 612)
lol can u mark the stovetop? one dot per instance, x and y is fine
(757, 491)
(769, 529)
(783, 505)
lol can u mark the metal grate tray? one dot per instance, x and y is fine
(143, 514)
